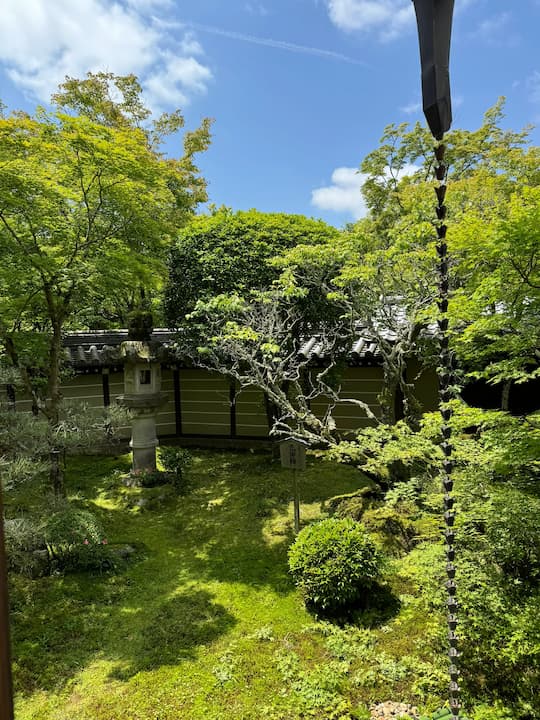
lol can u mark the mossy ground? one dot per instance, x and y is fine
(205, 621)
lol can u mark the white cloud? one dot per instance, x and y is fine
(190, 45)
(412, 108)
(143, 5)
(42, 41)
(388, 18)
(344, 195)
(176, 77)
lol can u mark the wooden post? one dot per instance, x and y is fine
(293, 455)
(6, 693)
(296, 504)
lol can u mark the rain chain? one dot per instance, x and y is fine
(445, 371)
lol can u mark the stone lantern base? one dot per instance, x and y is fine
(143, 427)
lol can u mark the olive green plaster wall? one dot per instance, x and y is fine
(205, 403)
(357, 383)
(206, 400)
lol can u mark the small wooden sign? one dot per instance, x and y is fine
(293, 454)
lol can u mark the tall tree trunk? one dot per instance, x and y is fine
(387, 396)
(13, 355)
(54, 399)
(412, 409)
(54, 395)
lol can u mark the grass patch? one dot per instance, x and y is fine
(206, 623)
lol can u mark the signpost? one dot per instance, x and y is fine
(293, 455)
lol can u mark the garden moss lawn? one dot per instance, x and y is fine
(205, 622)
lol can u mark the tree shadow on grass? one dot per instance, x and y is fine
(174, 632)
(229, 519)
(377, 607)
(153, 612)
(381, 606)
(58, 625)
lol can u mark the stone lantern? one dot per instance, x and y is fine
(143, 398)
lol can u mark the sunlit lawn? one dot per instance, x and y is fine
(204, 622)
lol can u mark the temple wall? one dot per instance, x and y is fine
(199, 401)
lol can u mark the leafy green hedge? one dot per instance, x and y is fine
(334, 562)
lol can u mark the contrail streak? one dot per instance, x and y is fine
(279, 44)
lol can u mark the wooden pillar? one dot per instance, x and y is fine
(177, 401)
(106, 387)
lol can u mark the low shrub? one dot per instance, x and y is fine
(75, 539)
(25, 547)
(492, 712)
(149, 478)
(334, 562)
(513, 533)
(177, 461)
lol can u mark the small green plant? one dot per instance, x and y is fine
(177, 461)
(513, 533)
(25, 547)
(443, 714)
(148, 478)
(224, 671)
(264, 634)
(492, 712)
(75, 539)
(334, 562)
(406, 492)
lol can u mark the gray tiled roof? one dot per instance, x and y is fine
(101, 348)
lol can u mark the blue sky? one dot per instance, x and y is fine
(300, 90)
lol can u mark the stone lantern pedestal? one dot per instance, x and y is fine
(143, 398)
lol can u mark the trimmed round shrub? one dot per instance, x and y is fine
(334, 562)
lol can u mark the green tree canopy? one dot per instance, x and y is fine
(227, 252)
(387, 271)
(88, 207)
(493, 181)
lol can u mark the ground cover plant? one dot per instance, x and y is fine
(203, 620)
